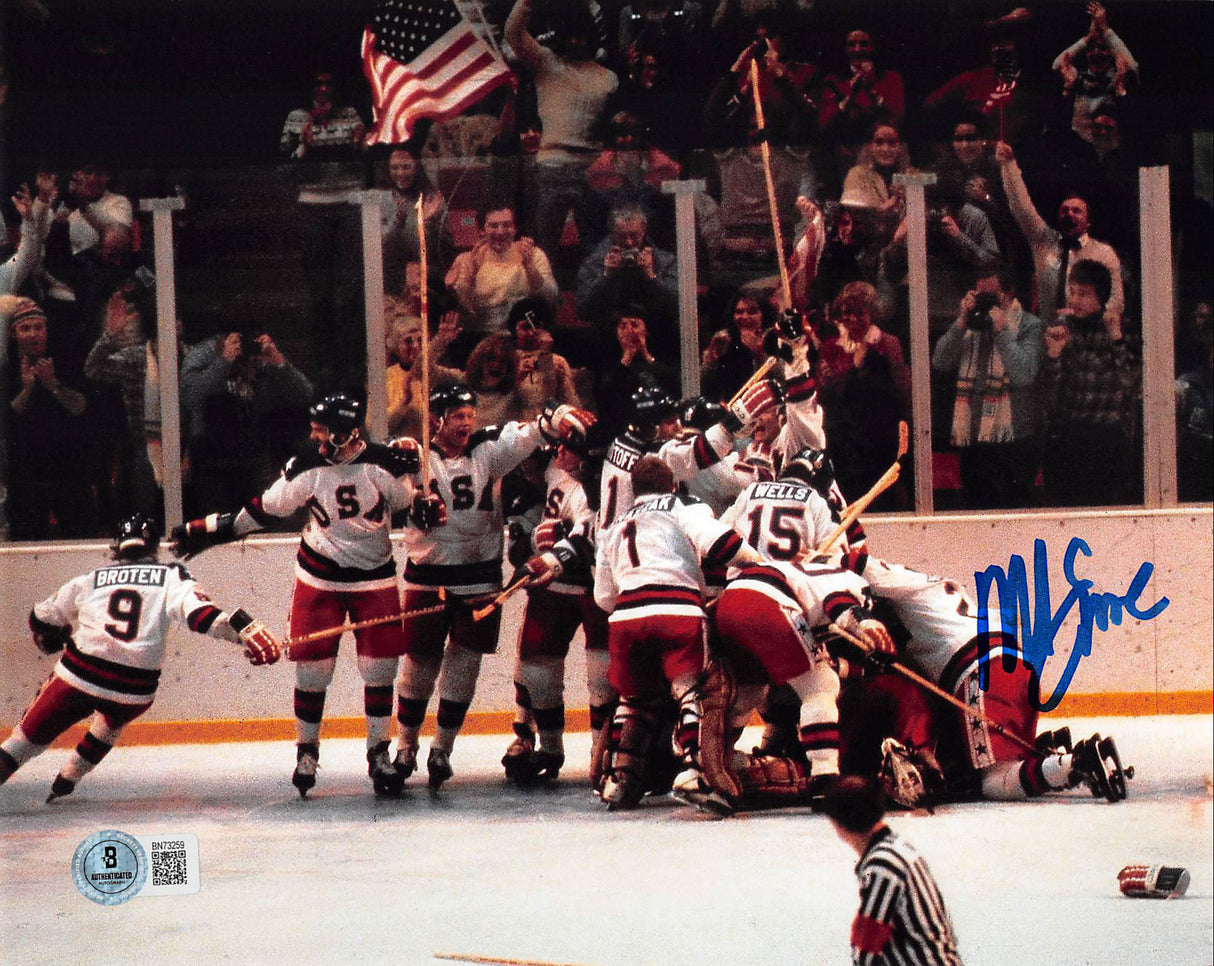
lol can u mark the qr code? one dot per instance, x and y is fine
(169, 867)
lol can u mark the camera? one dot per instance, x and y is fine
(630, 256)
(979, 318)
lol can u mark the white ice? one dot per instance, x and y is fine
(485, 869)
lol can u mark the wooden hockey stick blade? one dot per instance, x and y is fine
(941, 693)
(852, 513)
(903, 439)
(482, 612)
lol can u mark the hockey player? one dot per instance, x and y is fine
(650, 579)
(354, 491)
(718, 485)
(111, 625)
(555, 610)
(465, 558)
(655, 428)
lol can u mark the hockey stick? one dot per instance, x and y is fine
(852, 513)
(765, 151)
(359, 625)
(482, 612)
(499, 960)
(425, 312)
(941, 693)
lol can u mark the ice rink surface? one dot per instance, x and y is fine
(485, 869)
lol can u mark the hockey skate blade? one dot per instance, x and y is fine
(709, 803)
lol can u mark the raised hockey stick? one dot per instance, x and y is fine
(765, 151)
(482, 612)
(852, 513)
(941, 693)
(425, 311)
(755, 376)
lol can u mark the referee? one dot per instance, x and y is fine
(902, 918)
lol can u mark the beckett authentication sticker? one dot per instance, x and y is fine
(110, 867)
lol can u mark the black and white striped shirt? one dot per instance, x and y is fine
(902, 919)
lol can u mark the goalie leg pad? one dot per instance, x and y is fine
(769, 781)
(717, 693)
(634, 731)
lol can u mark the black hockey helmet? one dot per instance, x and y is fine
(700, 412)
(137, 536)
(812, 466)
(649, 406)
(340, 413)
(446, 398)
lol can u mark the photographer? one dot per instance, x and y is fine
(625, 267)
(1092, 383)
(994, 349)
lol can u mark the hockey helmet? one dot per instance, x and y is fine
(700, 412)
(812, 466)
(446, 398)
(137, 536)
(649, 406)
(340, 413)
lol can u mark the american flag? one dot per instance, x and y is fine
(422, 59)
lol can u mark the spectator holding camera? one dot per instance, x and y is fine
(994, 348)
(541, 375)
(625, 267)
(94, 208)
(1091, 384)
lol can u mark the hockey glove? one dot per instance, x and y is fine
(763, 396)
(192, 538)
(428, 512)
(773, 345)
(791, 325)
(866, 641)
(408, 452)
(557, 422)
(547, 533)
(260, 646)
(49, 638)
(547, 566)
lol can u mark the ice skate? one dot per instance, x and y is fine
(307, 760)
(691, 788)
(516, 760)
(1055, 742)
(384, 776)
(405, 762)
(819, 787)
(1097, 765)
(622, 792)
(438, 766)
(59, 787)
(545, 765)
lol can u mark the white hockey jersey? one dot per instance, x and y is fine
(685, 456)
(465, 554)
(566, 500)
(813, 596)
(803, 417)
(345, 544)
(782, 519)
(651, 561)
(121, 614)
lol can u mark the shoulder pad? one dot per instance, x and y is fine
(398, 462)
(297, 465)
(486, 435)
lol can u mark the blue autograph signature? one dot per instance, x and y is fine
(1041, 626)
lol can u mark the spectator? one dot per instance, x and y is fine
(1091, 388)
(788, 90)
(666, 98)
(491, 371)
(48, 495)
(542, 377)
(864, 386)
(994, 350)
(95, 209)
(1003, 92)
(852, 104)
(571, 93)
(1097, 72)
(35, 212)
(629, 172)
(409, 181)
(675, 26)
(634, 366)
(736, 351)
(498, 271)
(960, 239)
(325, 142)
(403, 383)
(625, 267)
(248, 409)
(849, 255)
(878, 203)
(1056, 251)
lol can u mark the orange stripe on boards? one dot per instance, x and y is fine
(1121, 704)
